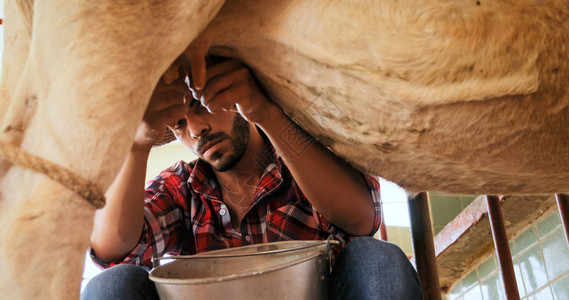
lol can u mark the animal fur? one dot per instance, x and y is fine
(455, 96)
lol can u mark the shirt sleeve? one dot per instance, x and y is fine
(374, 189)
(163, 217)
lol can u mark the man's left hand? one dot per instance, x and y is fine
(231, 87)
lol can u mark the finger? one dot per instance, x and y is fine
(222, 67)
(185, 64)
(228, 107)
(196, 94)
(165, 101)
(166, 95)
(172, 73)
(197, 67)
(226, 100)
(171, 115)
(221, 83)
(215, 66)
(233, 108)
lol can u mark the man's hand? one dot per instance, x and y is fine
(167, 105)
(231, 87)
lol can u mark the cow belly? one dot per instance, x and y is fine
(440, 96)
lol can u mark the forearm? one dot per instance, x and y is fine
(335, 189)
(118, 225)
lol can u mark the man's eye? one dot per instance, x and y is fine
(180, 123)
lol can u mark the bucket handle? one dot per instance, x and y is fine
(324, 261)
(324, 266)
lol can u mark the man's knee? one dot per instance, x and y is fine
(368, 268)
(368, 249)
(121, 282)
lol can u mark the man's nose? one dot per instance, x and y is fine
(198, 126)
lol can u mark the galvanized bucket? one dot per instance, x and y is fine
(281, 270)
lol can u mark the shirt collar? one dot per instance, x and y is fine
(202, 179)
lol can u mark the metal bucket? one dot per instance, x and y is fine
(280, 270)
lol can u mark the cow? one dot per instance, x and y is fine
(454, 96)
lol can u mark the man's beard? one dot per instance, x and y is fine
(240, 139)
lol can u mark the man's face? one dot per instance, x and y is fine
(219, 139)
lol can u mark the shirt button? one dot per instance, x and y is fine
(222, 212)
(248, 238)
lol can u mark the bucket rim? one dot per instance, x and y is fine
(221, 252)
(215, 279)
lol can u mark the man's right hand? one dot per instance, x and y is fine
(167, 105)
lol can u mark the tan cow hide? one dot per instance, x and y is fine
(456, 96)
(76, 82)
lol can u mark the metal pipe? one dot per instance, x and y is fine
(502, 247)
(563, 204)
(423, 246)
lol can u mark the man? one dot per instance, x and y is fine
(258, 179)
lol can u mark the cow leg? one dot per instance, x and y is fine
(17, 43)
(91, 71)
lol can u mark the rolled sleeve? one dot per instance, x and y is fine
(135, 257)
(374, 189)
(162, 218)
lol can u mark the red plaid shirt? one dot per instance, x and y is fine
(184, 214)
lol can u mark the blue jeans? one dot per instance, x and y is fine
(365, 269)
